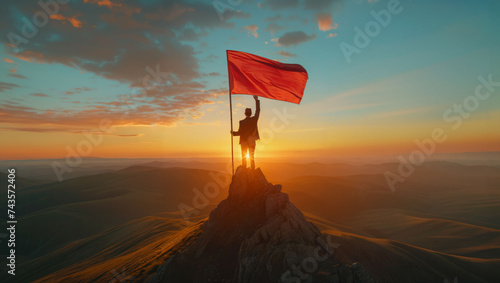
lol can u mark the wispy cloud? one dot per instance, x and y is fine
(7, 86)
(403, 112)
(49, 129)
(78, 90)
(320, 5)
(273, 28)
(72, 20)
(39, 94)
(141, 111)
(18, 76)
(286, 54)
(279, 4)
(273, 18)
(293, 38)
(251, 29)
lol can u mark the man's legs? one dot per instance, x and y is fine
(244, 155)
(251, 150)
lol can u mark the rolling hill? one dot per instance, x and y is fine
(442, 222)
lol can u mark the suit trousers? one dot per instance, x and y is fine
(251, 151)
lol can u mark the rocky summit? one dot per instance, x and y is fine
(256, 235)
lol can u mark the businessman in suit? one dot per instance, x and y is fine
(249, 133)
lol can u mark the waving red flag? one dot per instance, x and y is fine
(255, 75)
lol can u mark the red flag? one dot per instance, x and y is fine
(255, 75)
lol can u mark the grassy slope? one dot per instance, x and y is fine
(84, 206)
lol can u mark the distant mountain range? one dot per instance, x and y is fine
(42, 169)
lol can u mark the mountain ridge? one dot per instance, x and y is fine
(257, 235)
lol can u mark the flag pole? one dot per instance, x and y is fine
(230, 109)
(232, 138)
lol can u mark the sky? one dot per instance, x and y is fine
(148, 79)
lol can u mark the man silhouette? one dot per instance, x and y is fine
(249, 133)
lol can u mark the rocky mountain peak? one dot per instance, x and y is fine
(256, 235)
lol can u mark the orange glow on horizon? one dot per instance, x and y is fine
(336, 141)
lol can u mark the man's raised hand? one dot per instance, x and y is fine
(255, 97)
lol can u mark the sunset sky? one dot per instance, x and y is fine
(92, 62)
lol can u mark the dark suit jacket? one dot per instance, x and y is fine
(248, 130)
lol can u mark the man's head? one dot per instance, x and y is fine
(248, 112)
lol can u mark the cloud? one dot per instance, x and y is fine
(78, 90)
(293, 38)
(8, 60)
(119, 40)
(403, 112)
(84, 119)
(177, 14)
(280, 4)
(320, 5)
(273, 28)
(106, 3)
(13, 71)
(66, 129)
(295, 17)
(325, 22)
(7, 86)
(161, 90)
(129, 136)
(273, 18)
(18, 76)
(73, 20)
(142, 110)
(251, 29)
(39, 94)
(331, 35)
(188, 34)
(286, 54)
(115, 52)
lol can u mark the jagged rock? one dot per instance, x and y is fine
(256, 235)
(275, 202)
(345, 274)
(360, 274)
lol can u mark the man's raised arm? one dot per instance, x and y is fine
(257, 106)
